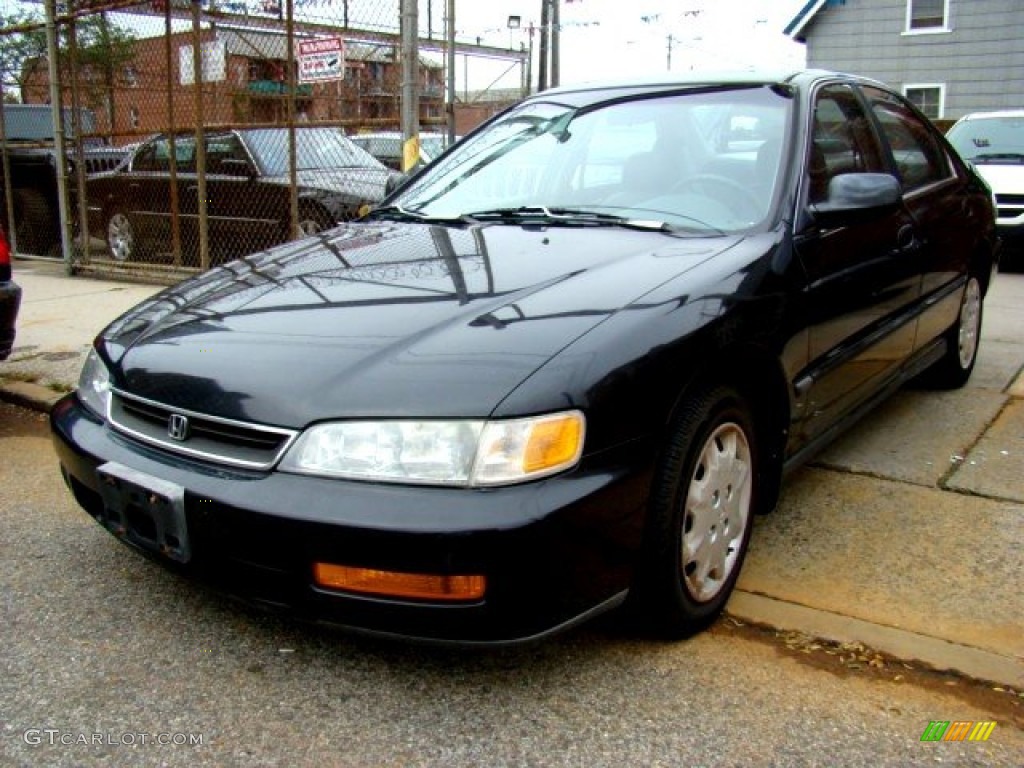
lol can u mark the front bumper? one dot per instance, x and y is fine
(553, 552)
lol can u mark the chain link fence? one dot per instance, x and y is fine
(193, 133)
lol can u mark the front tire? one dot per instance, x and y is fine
(313, 222)
(702, 507)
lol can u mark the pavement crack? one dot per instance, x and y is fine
(943, 481)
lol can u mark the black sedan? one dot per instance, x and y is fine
(562, 367)
(247, 190)
(10, 298)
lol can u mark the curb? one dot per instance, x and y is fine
(28, 394)
(939, 654)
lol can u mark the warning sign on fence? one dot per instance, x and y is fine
(321, 60)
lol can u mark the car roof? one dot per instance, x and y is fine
(670, 81)
(993, 114)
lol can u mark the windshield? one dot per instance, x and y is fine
(989, 137)
(315, 149)
(705, 161)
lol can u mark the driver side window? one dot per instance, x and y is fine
(842, 141)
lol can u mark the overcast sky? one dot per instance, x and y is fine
(615, 38)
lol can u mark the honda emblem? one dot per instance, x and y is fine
(177, 427)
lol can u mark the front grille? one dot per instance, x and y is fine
(1003, 199)
(212, 438)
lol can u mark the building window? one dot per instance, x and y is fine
(929, 98)
(927, 16)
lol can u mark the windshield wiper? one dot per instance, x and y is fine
(398, 213)
(568, 217)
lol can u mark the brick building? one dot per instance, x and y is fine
(246, 82)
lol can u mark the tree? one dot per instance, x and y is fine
(19, 46)
(103, 49)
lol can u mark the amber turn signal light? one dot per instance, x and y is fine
(419, 586)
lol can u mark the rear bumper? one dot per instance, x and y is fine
(10, 301)
(553, 552)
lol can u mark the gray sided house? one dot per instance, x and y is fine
(949, 57)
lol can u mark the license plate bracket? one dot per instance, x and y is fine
(145, 510)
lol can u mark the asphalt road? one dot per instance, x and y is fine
(106, 655)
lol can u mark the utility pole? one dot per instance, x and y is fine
(410, 86)
(555, 42)
(545, 30)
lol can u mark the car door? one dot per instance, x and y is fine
(238, 223)
(863, 274)
(935, 197)
(144, 192)
(184, 159)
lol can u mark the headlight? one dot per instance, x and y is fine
(455, 453)
(94, 385)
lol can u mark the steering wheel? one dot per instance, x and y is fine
(736, 197)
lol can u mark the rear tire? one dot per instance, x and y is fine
(122, 242)
(963, 338)
(703, 500)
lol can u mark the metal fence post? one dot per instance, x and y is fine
(60, 154)
(450, 36)
(410, 83)
(171, 128)
(197, 71)
(76, 132)
(291, 84)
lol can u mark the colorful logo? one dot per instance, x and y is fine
(958, 730)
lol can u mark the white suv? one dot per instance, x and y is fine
(994, 143)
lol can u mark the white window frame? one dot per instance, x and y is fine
(944, 29)
(941, 87)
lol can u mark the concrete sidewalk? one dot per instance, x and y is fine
(905, 536)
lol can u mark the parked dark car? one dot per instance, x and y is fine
(247, 177)
(562, 367)
(10, 298)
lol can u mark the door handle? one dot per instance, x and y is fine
(906, 238)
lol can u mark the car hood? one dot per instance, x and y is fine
(1004, 179)
(365, 184)
(387, 320)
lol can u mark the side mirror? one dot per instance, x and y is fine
(856, 196)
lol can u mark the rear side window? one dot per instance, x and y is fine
(917, 153)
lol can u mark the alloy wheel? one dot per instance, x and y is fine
(970, 322)
(120, 236)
